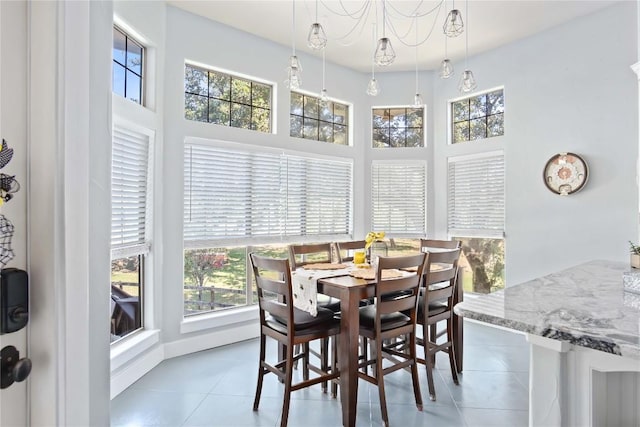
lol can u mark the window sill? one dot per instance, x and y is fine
(126, 350)
(218, 319)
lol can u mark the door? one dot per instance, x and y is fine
(13, 128)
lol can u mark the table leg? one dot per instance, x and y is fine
(348, 359)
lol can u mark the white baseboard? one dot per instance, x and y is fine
(211, 340)
(133, 371)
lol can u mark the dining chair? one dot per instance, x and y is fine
(304, 254)
(290, 326)
(389, 319)
(435, 305)
(346, 249)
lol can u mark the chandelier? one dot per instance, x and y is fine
(423, 20)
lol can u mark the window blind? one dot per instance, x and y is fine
(476, 203)
(399, 197)
(240, 195)
(129, 198)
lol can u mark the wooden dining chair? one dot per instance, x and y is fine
(346, 249)
(290, 326)
(426, 244)
(435, 305)
(388, 319)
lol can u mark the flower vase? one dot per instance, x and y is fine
(377, 249)
(635, 261)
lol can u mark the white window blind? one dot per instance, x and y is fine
(129, 193)
(399, 197)
(240, 195)
(476, 196)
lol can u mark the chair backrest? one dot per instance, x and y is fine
(273, 282)
(399, 293)
(346, 249)
(440, 276)
(426, 244)
(300, 255)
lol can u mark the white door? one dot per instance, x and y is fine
(13, 128)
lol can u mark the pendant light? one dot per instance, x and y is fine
(372, 87)
(317, 39)
(446, 67)
(294, 70)
(384, 52)
(417, 99)
(453, 25)
(467, 81)
(324, 97)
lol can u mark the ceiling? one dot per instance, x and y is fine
(488, 24)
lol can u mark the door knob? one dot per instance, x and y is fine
(12, 368)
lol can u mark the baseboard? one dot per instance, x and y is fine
(134, 370)
(211, 340)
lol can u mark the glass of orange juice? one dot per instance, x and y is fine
(358, 257)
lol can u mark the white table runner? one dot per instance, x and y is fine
(305, 287)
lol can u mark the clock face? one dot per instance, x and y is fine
(565, 173)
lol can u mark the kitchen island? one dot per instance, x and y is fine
(584, 334)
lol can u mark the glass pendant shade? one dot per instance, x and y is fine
(417, 100)
(372, 87)
(446, 69)
(294, 73)
(317, 38)
(467, 82)
(384, 52)
(453, 25)
(324, 97)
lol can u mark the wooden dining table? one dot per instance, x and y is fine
(350, 291)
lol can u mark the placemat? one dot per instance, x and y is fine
(370, 273)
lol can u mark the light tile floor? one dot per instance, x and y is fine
(216, 388)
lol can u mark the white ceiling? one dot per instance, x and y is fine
(489, 24)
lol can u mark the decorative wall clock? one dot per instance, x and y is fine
(565, 173)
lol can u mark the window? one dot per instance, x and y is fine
(478, 117)
(223, 99)
(322, 121)
(130, 229)
(128, 66)
(237, 196)
(476, 210)
(398, 127)
(398, 199)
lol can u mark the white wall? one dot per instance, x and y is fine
(567, 89)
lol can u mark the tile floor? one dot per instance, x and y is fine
(216, 388)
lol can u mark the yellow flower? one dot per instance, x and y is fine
(373, 236)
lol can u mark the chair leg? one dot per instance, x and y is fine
(433, 332)
(324, 360)
(287, 386)
(305, 361)
(452, 353)
(297, 349)
(414, 370)
(261, 372)
(428, 363)
(334, 367)
(380, 380)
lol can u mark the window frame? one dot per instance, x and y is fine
(125, 67)
(450, 116)
(423, 139)
(145, 250)
(347, 124)
(237, 76)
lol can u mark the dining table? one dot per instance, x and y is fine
(350, 291)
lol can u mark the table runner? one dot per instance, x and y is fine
(305, 287)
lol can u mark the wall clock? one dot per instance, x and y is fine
(565, 173)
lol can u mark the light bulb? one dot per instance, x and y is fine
(372, 87)
(294, 73)
(317, 39)
(417, 100)
(453, 25)
(446, 69)
(294, 62)
(467, 82)
(384, 52)
(324, 97)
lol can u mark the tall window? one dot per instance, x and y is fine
(477, 117)
(398, 199)
(130, 229)
(227, 100)
(476, 216)
(322, 121)
(398, 127)
(128, 66)
(237, 196)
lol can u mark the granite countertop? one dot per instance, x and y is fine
(585, 305)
